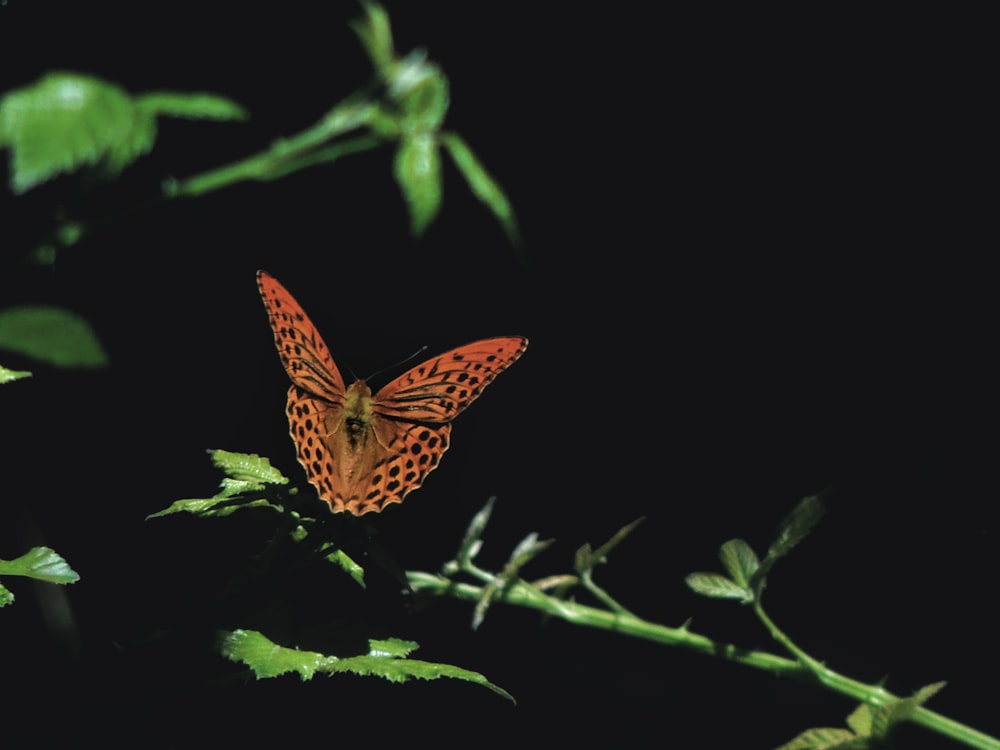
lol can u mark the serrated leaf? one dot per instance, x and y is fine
(417, 169)
(482, 184)
(826, 738)
(739, 560)
(392, 647)
(6, 597)
(885, 717)
(386, 659)
(860, 720)
(268, 659)
(65, 121)
(348, 565)
(798, 523)
(717, 586)
(193, 106)
(211, 507)
(51, 334)
(247, 467)
(9, 376)
(41, 563)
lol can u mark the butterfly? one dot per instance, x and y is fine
(362, 451)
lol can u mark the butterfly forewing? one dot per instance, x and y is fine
(442, 387)
(303, 352)
(363, 452)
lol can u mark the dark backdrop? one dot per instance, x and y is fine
(748, 273)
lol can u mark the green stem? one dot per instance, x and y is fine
(875, 695)
(311, 146)
(521, 594)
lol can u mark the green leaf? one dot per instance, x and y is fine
(51, 334)
(717, 586)
(376, 36)
(6, 597)
(739, 560)
(268, 659)
(424, 98)
(64, 121)
(385, 658)
(247, 467)
(248, 474)
(483, 186)
(886, 716)
(860, 720)
(602, 552)
(794, 528)
(348, 565)
(8, 376)
(193, 106)
(213, 507)
(417, 169)
(826, 738)
(41, 563)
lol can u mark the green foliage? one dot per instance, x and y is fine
(386, 658)
(243, 487)
(65, 121)
(9, 376)
(40, 563)
(51, 335)
(250, 482)
(482, 184)
(869, 726)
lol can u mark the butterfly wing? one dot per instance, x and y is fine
(303, 353)
(441, 388)
(400, 456)
(317, 397)
(363, 452)
(413, 413)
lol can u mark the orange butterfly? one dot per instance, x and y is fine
(363, 452)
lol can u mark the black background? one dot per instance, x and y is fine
(751, 270)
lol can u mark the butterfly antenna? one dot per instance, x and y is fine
(417, 353)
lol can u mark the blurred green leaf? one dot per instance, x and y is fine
(9, 376)
(425, 101)
(482, 184)
(418, 172)
(376, 36)
(193, 106)
(51, 334)
(65, 121)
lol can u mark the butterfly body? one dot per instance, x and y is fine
(363, 451)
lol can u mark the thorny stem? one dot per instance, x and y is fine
(521, 594)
